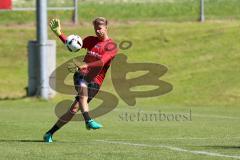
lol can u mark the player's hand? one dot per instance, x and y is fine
(83, 66)
(55, 26)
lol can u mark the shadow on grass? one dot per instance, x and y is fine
(13, 140)
(12, 98)
(37, 141)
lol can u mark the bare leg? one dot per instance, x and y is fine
(64, 119)
(83, 103)
(83, 97)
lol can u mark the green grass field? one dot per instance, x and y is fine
(212, 133)
(203, 68)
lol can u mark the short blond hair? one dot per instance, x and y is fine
(100, 21)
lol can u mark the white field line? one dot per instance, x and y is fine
(177, 138)
(173, 149)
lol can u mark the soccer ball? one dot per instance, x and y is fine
(74, 43)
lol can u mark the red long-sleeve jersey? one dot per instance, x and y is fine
(98, 57)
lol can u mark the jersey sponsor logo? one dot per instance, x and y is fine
(94, 54)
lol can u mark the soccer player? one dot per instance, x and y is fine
(90, 74)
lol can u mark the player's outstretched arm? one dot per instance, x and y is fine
(55, 26)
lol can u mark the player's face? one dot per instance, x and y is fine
(100, 31)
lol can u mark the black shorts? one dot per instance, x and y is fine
(93, 87)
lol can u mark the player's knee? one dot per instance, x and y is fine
(74, 109)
